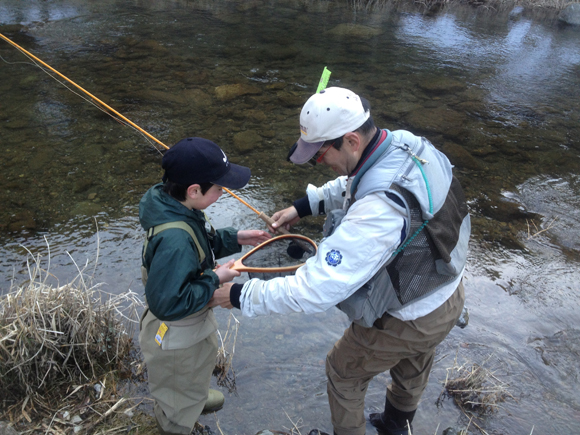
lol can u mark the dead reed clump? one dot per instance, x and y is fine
(474, 388)
(62, 352)
(223, 370)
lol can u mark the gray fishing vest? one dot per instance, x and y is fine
(425, 262)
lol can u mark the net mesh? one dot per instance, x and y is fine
(279, 252)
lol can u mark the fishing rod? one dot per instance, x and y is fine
(260, 214)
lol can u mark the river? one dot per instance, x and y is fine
(497, 88)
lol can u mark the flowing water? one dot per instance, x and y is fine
(496, 88)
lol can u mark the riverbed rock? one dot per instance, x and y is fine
(11, 28)
(152, 45)
(441, 85)
(16, 123)
(505, 211)
(277, 52)
(82, 184)
(153, 95)
(288, 99)
(247, 141)
(460, 157)
(85, 208)
(571, 14)
(355, 31)
(252, 115)
(231, 92)
(197, 97)
(435, 120)
(403, 107)
(6, 429)
(23, 220)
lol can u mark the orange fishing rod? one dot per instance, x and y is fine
(261, 215)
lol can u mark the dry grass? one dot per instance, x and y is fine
(475, 389)
(64, 352)
(223, 371)
(68, 363)
(535, 231)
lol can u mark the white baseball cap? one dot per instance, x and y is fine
(327, 115)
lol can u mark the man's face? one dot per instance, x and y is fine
(338, 160)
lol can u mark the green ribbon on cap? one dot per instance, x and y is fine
(323, 80)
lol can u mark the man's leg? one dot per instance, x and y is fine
(411, 375)
(350, 366)
(362, 353)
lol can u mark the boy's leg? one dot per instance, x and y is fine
(178, 379)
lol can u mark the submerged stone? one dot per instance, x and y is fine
(460, 157)
(23, 220)
(247, 141)
(230, 92)
(441, 85)
(571, 14)
(288, 99)
(355, 31)
(435, 120)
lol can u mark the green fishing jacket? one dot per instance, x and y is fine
(177, 284)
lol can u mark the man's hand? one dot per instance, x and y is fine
(221, 297)
(252, 237)
(224, 273)
(284, 218)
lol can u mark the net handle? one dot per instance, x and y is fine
(240, 267)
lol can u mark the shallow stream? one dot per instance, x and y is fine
(496, 88)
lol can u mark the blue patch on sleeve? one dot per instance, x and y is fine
(333, 258)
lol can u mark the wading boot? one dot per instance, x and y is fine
(392, 421)
(215, 402)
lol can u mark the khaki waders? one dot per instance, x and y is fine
(406, 349)
(180, 368)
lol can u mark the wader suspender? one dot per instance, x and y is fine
(159, 228)
(177, 224)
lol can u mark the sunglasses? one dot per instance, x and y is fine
(316, 158)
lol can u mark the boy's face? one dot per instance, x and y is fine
(201, 202)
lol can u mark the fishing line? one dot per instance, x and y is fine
(123, 120)
(48, 73)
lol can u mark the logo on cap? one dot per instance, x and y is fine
(304, 130)
(225, 157)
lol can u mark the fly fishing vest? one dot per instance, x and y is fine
(182, 226)
(425, 261)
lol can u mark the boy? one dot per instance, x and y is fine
(177, 334)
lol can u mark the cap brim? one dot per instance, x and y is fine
(305, 151)
(236, 178)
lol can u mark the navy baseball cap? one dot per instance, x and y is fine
(195, 160)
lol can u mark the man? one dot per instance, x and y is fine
(392, 259)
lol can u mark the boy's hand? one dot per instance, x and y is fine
(285, 218)
(221, 297)
(252, 237)
(224, 272)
